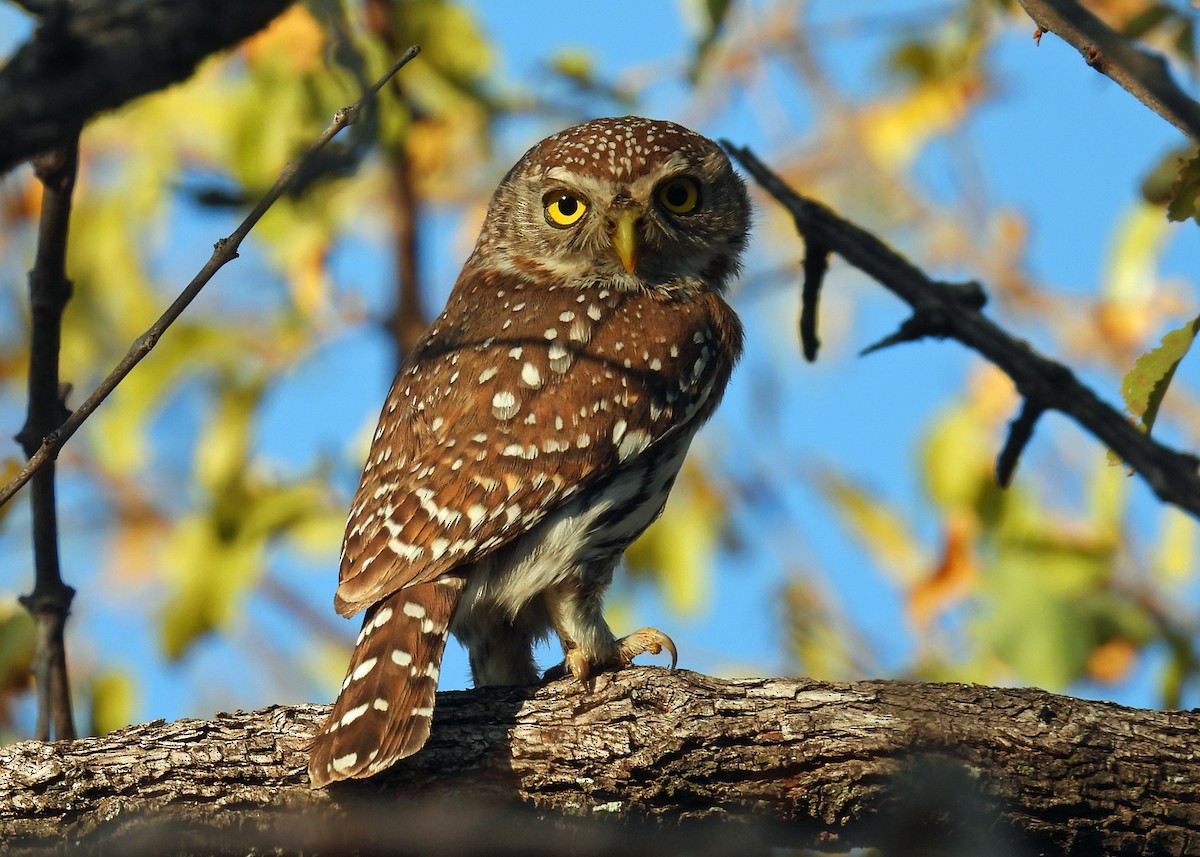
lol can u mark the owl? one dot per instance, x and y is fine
(537, 427)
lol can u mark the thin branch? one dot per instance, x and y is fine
(224, 251)
(954, 311)
(49, 290)
(1142, 73)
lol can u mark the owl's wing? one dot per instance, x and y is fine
(483, 436)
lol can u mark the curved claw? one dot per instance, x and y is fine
(649, 640)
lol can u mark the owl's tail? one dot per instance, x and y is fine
(384, 709)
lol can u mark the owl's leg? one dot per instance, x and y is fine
(500, 647)
(588, 643)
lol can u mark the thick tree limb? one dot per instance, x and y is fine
(953, 310)
(800, 762)
(88, 56)
(1142, 73)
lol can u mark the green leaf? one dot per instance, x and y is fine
(1185, 192)
(1145, 385)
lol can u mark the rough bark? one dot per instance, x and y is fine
(937, 768)
(88, 56)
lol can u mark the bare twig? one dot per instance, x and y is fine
(225, 250)
(49, 290)
(1142, 73)
(816, 263)
(954, 310)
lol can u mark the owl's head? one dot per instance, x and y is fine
(635, 203)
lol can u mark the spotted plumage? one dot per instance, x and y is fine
(537, 427)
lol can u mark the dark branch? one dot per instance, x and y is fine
(953, 311)
(796, 762)
(224, 251)
(1142, 73)
(49, 291)
(1020, 431)
(85, 58)
(816, 265)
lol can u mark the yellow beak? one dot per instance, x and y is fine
(625, 238)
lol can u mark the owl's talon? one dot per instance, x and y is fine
(577, 665)
(647, 640)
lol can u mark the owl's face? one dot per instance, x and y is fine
(635, 203)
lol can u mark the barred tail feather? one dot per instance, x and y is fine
(386, 703)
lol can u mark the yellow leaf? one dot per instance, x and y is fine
(681, 543)
(881, 531)
(1175, 557)
(895, 132)
(112, 701)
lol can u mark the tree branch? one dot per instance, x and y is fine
(49, 290)
(954, 310)
(87, 57)
(224, 251)
(1142, 73)
(838, 764)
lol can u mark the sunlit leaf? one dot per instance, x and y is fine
(221, 452)
(16, 646)
(951, 579)
(679, 546)
(880, 528)
(1175, 548)
(1145, 385)
(1185, 192)
(208, 570)
(112, 701)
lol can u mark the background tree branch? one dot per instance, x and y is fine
(90, 56)
(954, 310)
(1142, 73)
(49, 290)
(803, 762)
(224, 251)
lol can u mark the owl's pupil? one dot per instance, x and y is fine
(677, 195)
(568, 205)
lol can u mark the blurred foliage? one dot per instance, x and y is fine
(198, 525)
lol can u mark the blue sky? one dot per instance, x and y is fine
(1059, 143)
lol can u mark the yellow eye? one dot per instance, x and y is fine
(680, 195)
(563, 209)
